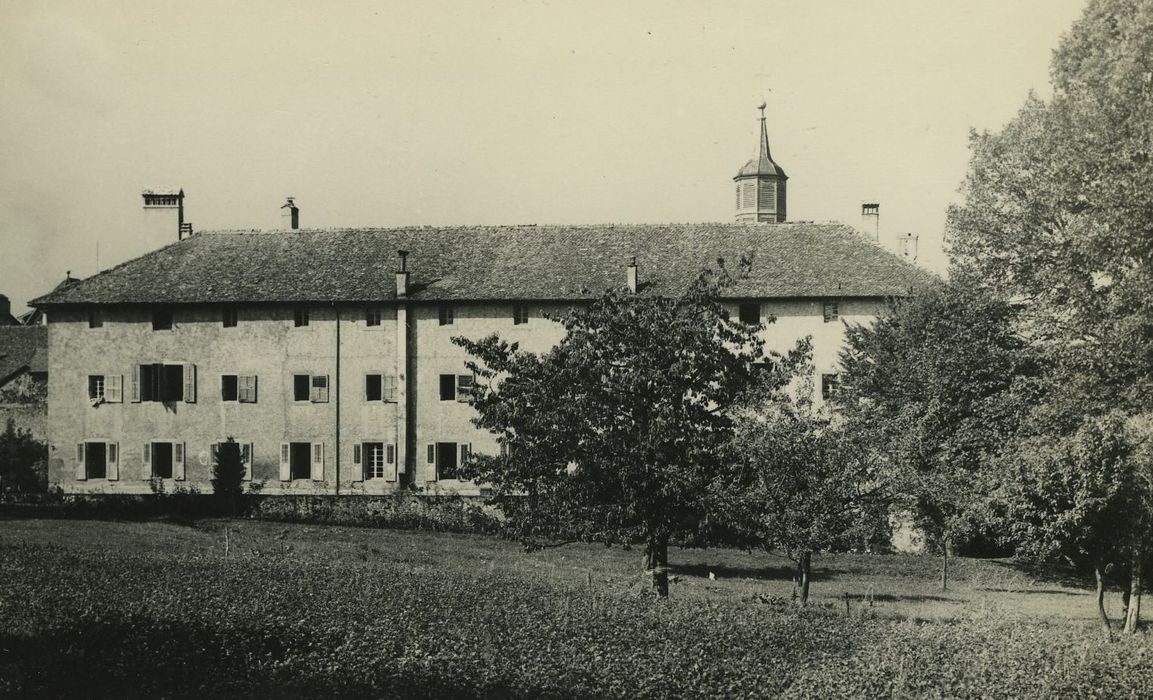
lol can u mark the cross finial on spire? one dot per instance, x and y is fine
(761, 107)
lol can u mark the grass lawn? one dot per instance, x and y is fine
(155, 609)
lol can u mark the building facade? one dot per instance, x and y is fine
(329, 355)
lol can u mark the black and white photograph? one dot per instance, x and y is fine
(565, 349)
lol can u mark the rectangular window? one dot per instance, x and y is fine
(374, 460)
(832, 311)
(162, 319)
(319, 392)
(96, 460)
(163, 382)
(519, 315)
(228, 317)
(300, 387)
(446, 315)
(373, 389)
(300, 317)
(162, 460)
(372, 316)
(300, 456)
(96, 387)
(95, 320)
(448, 387)
(446, 460)
(750, 313)
(229, 387)
(829, 385)
(246, 388)
(464, 386)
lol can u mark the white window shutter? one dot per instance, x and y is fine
(178, 461)
(81, 472)
(112, 454)
(285, 464)
(318, 461)
(136, 384)
(114, 388)
(189, 382)
(358, 462)
(146, 468)
(390, 463)
(246, 389)
(431, 472)
(388, 384)
(246, 456)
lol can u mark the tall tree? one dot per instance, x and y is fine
(1058, 215)
(616, 433)
(926, 390)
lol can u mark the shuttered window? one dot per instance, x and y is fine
(829, 385)
(832, 310)
(164, 382)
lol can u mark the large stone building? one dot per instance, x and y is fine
(328, 354)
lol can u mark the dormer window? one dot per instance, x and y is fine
(162, 319)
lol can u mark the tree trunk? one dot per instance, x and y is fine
(945, 551)
(805, 568)
(1101, 601)
(657, 564)
(1133, 610)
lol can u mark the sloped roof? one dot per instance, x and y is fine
(492, 263)
(22, 348)
(762, 163)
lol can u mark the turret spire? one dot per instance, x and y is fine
(761, 183)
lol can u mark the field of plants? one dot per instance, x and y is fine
(239, 608)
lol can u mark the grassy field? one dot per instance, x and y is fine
(152, 609)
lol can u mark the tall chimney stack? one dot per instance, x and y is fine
(402, 275)
(163, 214)
(289, 215)
(631, 275)
(871, 221)
(907, 246)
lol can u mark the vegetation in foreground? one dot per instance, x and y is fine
(148, 609)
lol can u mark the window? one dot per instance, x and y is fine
(447, 387)
(97, 460)
(164, 382)
(300, 384)
(164, 460)
(240, 388)
(446, 315)
(464, 387)
(829, 385)
(300, 317)
(749, 313)
(832, 311)
(372, 316)
(446, 462)
(95, 320)
(310, 387)
(228, 317)
(96, 387)
(519, 315)
(161, 319)
(378, 459)
(457, 387)
(379, 387)
(319, 392)
(302, 460)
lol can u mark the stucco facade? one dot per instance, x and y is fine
(411, 343)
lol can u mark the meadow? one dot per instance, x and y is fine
(261, 609)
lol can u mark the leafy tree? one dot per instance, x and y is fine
(616, 434)
(22, 460)
(1058, 215)
(799, 486)
(228, 475)
(926, 391)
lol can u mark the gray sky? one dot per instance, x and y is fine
(435, 112)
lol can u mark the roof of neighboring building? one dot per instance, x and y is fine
(22, 348)
(491, 263)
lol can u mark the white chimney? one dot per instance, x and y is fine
(289, 215)
(871, 221)
(907, 246)
(631, 275)
(402, 275)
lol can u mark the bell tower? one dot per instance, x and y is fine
(761, 185)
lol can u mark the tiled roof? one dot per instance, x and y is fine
(492, 263)
(21, 348)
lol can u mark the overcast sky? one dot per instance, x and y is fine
(432, 113)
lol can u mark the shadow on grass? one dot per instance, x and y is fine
(1032, 591)
(1056, 574)
(760, 573)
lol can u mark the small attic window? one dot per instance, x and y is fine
(162, 319)
(749, 313)
(95, 320)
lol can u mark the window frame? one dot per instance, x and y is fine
(520, 315)
(229, 317)
(445, 394)
(98, 391)
(835, 305)
(373, 317)
(830, 384)
(446, 314)
(95, 319)
(108, 447)
(301, 317)
(161, 383)
(159, 314)
(745, 306)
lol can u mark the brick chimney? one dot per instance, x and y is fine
(871, 221)
(289, 215)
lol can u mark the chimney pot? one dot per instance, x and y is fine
(290, 214)
(871, 221)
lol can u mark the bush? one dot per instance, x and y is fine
(228, 475)
(23, 461)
